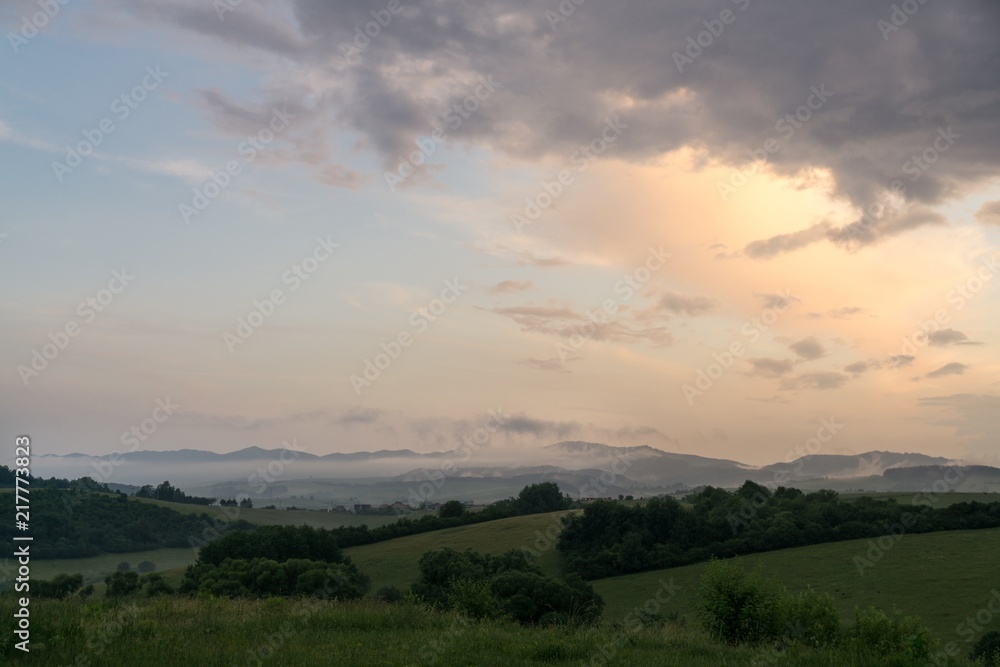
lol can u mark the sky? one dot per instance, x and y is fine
(703, 227)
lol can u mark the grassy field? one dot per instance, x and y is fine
(219, 632)
(941, 577)
(395, 562)
(97, 567)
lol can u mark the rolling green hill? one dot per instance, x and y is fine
(394, 562)
(941, 577)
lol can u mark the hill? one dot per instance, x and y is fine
(394, 562)
(944, 578)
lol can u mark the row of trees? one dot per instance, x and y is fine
(532, 499)
(79, 522)
(169, 492)
(611, 539)
(276, 560)
(508, 585)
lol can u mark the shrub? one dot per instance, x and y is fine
(155, 585)
(810, 618)
(739, 608)
(122, 584)
(474, 598)
(987, 649)
(61, 587)
(389, 594)
(877, 633)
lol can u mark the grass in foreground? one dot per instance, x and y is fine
(209, 632)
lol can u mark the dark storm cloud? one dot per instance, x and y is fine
(888, 95)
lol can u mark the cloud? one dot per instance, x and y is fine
(686, 305)
(808, 348)
(776, 245)
(512, 287)
(553, 364)
(522, 424)
(900, 360)
(989, 213)
(610, 60)
(953, 368)
(846, 311)
(777, 301)
(824, 380)
(857, 368)
(770, 368)
(564, 322)
(947, 337)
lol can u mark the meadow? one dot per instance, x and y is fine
(171, 631)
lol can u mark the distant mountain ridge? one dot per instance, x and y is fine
(639, 468)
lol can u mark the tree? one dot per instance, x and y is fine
(247, 503)
(123, 566)
(146, 566)
(122, 584)
(452, 508)
(542, 497)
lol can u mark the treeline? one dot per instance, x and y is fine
(533, 499)
(7, 480)
(275, 560)
(505, 586)
(610, 539)
(80, 521)
(166, 491)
